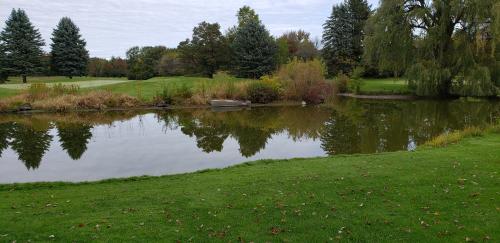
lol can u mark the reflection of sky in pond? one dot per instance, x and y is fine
(142, 146)
(95, 146)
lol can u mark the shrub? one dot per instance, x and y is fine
(166, 95)
(262, 93)
(303, 79)
(341, 83)
(356, 81)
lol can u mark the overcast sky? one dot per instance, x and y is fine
(110, 27)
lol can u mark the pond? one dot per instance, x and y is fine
(79, 147)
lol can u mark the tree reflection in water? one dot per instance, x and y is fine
(346, 127)
(74, 138)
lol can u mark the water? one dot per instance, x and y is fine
(96, 146)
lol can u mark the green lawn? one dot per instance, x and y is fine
(148, 89)
(385, 86)
(432, 195)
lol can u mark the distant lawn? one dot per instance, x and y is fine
(385, 86)
(431, 195)
(4, 93)
(148, 89)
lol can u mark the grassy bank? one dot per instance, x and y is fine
(431, 195)
(384, 86)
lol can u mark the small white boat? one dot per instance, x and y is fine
(229, 103)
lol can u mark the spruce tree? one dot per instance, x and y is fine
(4, 71)
(254, 50)
(23, 45)
(69, 56)
(343, 36)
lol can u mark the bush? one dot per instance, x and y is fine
(302, 80)
(341, 83)
(262, 93)
(166, 95)
(356, 80)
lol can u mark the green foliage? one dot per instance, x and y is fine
(206, 52)
(4, 74)
(343, 35)
(299, 45)
(341, 83)
(388, 40)
(254, 51)
(282, 55)
(115, 67)
(22, 45)
(356, 80)
(428, 79)
(69, 56)
(477, 82)
(446, 47)
(143, 62)
(262, 93)
(304, 81)
(246, 15)
(171, 64)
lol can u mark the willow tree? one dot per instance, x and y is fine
(445, 46)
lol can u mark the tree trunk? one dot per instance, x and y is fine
(24, 79)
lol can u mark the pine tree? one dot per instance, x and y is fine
(338, 42)
(22, 43)
(4, 71)
(343, 36)
(254, 50)
(69, 56)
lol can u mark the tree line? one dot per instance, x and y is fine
(442, 47)
(21, 49)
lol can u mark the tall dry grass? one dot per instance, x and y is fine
(66, 97)
(448, 138)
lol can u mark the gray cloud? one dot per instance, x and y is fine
(112, 26)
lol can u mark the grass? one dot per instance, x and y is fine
(148, 89)
(447, 194)
(384, 86)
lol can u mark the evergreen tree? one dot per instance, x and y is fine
(23, 45)
(254, 50)
(343, 35)
(4, 71)
(246, 15)
(69, 56)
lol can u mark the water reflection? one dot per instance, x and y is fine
(111, 139)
